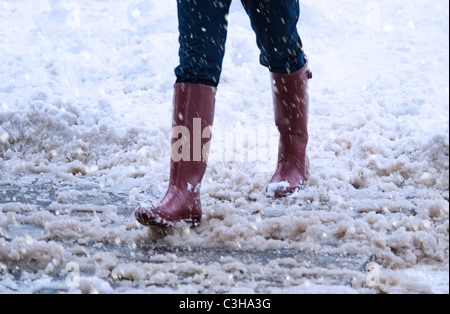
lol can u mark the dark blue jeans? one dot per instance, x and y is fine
(203, 32)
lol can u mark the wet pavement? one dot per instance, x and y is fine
(261, 271)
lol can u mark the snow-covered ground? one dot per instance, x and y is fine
(85, 117)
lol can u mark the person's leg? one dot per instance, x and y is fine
(275, 24)
(203, 33)
(203, 28)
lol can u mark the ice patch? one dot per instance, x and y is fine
(4, 137)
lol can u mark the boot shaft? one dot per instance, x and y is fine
(193, 116)
(291, 107)
(291, 102)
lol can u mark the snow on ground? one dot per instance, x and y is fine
(85, 106)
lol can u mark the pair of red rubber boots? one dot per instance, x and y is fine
(193, 115)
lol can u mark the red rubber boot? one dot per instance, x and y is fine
(193, 114)
(291, 104)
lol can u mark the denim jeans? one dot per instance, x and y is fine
(203, 32)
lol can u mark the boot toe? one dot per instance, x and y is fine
(144, 216)
(282, 190)
(151, 217)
